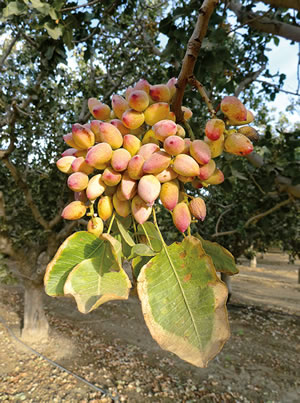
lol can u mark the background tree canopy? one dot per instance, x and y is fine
(57, 54)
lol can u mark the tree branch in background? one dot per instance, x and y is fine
(294, 4)
(279, 89)
(67, 230)
(255, 218)
(227, 209)
(4, 156)
(8, 50)
(248, 80)
(191, 54)
(264, 24)
(91, 3)
(26, 191)
(270, 211)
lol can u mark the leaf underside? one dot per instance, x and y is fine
(76, 248)
(184, 302)
(89, 269)
(221, 257)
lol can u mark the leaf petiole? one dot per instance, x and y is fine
(111, 222)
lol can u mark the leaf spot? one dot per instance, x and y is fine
(187, 277)
(182, 255)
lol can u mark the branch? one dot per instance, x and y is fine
(255, 218)
(248, 80)
(224, 233)
(279, 89)
(294, 4)
(67, 230)
(91, 3)
(203, 93)
(15, 173)
(264, 24)
(191, 54)
(8, 50)
(6, 245)
(221, 216)
(271, 210)
(27, 193)
(256, 184)
(12, 117)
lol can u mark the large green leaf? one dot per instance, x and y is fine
(99, 279)
(77, 247)
(184, 302)
(222, 258)
(149, 228)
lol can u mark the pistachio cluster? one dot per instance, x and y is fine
(134, 153)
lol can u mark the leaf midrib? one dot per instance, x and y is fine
(182, 292)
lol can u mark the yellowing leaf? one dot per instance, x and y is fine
(184, 302)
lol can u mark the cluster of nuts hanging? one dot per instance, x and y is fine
(135, 153)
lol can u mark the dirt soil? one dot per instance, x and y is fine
(112, 349)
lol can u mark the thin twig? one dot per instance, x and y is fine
(220, 218)
(203, 93)
(257, 184)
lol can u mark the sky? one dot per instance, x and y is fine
(285, 58)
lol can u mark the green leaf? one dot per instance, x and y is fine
(13, 8)
(68, 38)
(140, 249)
(53, 14)
(115, 245)
(49, 52)
(126, 249)
(41, 7)
(99, 279)
(55, 32)
(76, 248)
(149, 228)
(221, 257)
(184, 302)
(125, 234)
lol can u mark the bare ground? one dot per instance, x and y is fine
(112, 348)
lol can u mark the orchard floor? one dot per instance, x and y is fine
(112, 348)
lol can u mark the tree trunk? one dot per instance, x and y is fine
(253, 262)
(36, 325)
